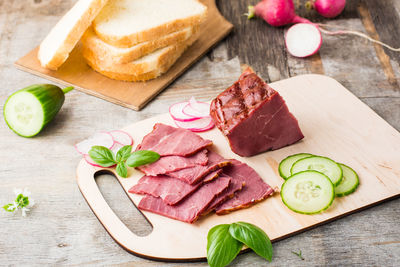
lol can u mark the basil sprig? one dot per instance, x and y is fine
(225, 241)
(105, 158)
(222, 248)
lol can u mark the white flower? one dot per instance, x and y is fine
(24, 210)
(31, 202)
(26, 192)
(17, 191)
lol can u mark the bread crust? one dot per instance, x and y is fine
(126, 72)
(71, 37)
(152, 33)
(125, 55)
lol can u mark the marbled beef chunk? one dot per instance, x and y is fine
(254, 117)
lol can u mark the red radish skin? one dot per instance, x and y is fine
(197, 109)
(89, 160)
(121, 137)
(99, 139)
(176, 112)
(303, 40)
(329, 8)
(276, 12)
(199, 125)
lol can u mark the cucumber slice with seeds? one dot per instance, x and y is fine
(349, 182)
(287, 163)
(308, 192)
(322, 164)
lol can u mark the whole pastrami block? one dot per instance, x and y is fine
(254, 117)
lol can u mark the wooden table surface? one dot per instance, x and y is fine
(61, 229)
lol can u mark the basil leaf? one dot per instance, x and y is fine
(222, 248)
(253, 237)
(142, 157)
(123, 153)
(6, 208)
(24, 202)
(122, 170)
(102, 156)
(19, 197)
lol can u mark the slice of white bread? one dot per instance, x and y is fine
(125, 55)
(145, 68)
(55, 48)
(124, 23)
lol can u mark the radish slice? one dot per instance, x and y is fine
(196, 108)
(91, 162)
(199, 125)
(303, 40)
(122, 138)
(99, 139)
(176, 112)
(116, 147)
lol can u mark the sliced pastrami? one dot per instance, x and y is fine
(192, 207)
(254, 117)
(195, 174)
(168, 164)
(169, 189)
(235, 186)
(170, 141)
(253, 191)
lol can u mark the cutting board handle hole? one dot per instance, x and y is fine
(121, 204)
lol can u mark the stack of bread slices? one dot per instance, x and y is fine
(129, 40)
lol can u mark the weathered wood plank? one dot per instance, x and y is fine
(255, 42)
(61, 230)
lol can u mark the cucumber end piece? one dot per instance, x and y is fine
(24, 114)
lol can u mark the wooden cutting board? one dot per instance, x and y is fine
(335, 123)
(135, 95)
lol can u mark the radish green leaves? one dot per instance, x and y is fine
(225, 241)
(106, 158)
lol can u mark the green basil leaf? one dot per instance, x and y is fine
(253, 237)
(122, 170)
(222, 248)
(142, 157)
(6, 208)
(19, 197)
(102, 156)
(123, 153)
(24, 202)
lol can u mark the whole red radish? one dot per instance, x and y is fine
(328, 8)
(276, 12)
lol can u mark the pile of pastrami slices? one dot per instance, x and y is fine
(191, 180)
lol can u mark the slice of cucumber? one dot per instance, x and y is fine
(308, 192)
(286, 163)
(349, 182)
(28, 110)
(322, 164)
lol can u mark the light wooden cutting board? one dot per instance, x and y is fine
(135, 95)
(335, 123)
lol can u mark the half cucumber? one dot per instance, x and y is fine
(349, 182)
(28, 110)
(321, 164)
(286, 164)
(308, 192)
